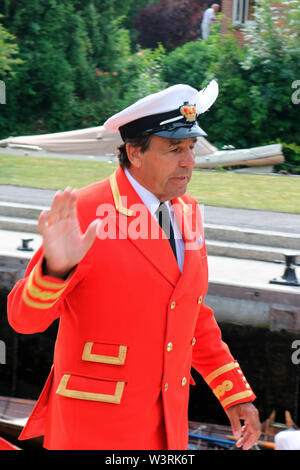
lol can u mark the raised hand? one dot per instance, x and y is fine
(63, 242)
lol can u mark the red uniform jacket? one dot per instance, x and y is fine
(131, 326)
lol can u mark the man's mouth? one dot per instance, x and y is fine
(182, 179)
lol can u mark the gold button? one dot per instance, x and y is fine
(239, 371)
(166, 386)
(247, 386)
(183, 382)
(193, 341)
(173, 304)
(200, 299)
(169, 347)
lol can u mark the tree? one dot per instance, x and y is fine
(272, 63)
(8, 52)
(196, 63)
(131, 18)
(142, 71)
(170, 22)
(62, 44)
(258, 102)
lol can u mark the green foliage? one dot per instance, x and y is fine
(257, 81)
(272, 63)
(72, 63)
(274, 33)
(62, 45)
(292, 158)
(142, 71)
(132, 77)
(219, 57)
(8, 52)
(187, 64)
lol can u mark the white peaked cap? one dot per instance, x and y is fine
(160, 111)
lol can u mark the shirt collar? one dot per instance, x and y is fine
(148, 198)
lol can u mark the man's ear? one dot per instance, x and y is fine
(134, 154)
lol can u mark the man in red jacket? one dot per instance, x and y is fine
(123, 265)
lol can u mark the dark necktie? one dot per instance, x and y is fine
(164, 221)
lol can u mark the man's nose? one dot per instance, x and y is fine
(188, 158)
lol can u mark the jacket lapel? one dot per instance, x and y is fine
(135, 222)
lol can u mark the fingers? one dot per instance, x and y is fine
(53, 215)
(247, 440)
(64, 243)
(233, 414)
(63, 206)
(43, 222)
(68, 203)
(251, 430)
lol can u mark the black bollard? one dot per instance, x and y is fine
(25, 245)
(289, 277)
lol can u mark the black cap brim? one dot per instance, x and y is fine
(181, 131)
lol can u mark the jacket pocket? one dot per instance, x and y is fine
(105, 353)
(86, 388)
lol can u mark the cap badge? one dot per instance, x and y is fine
(189, 112)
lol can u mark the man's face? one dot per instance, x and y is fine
(165, 168)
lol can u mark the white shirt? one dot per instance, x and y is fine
(152, 204)
(208, 15)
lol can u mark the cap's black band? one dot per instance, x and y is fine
(150, 124)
